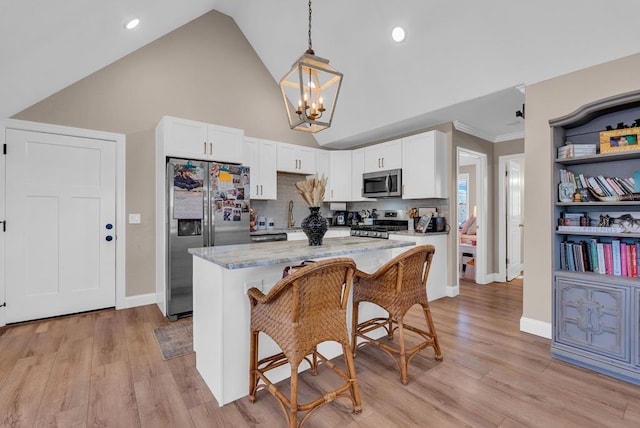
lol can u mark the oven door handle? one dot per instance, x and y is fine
(388, 183)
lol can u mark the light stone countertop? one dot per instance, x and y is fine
(412, 233)
(269, 253)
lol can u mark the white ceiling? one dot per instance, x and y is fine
(462, 60)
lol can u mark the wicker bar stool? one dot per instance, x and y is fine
(302, 310)
(396, 286)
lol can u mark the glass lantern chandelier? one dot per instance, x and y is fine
(310, 91)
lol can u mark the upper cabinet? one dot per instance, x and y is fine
(425, 164)
(336, 166)
(339, 188)
(383, 156)
(298, 159)
(197, 140)
(261, 156)
(357, 169)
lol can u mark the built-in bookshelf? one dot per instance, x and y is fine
(596, 242)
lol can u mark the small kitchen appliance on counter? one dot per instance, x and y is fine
(340, 218)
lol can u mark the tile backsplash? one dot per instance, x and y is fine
(278, 209)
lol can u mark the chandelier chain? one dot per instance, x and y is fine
(310, 47)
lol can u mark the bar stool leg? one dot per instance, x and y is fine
(354, 328)
(404, 378)
(351, 372)
(432, 329)
(293, 402)
(253, 366)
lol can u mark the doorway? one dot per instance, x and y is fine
(471, 168)
(511, 212)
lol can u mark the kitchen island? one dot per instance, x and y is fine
(221, 312)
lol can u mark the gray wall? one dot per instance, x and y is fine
(205, 70)
(548, 100)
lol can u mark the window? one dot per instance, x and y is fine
(463, 198)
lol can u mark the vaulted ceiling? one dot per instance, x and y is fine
(463, 61)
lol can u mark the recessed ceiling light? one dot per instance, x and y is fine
(131, 24)
(398, 34)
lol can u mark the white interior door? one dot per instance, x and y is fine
(514, 220)
(61, 231)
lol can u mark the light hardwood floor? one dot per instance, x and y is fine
(105, 369)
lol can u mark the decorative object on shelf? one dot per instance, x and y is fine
(627, 223)
(310, 91)
(627, 197)
(312, 191)
(619, 140)
(566, 191)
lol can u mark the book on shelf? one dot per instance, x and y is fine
(608, 258)
(600, 248)
(615, 257)
(593, 247)
(615, 252)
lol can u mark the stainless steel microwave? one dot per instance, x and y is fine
(382, 184)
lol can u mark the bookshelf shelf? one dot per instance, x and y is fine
(599, 204)
(596, 317)
(607, 234)
(599, 158)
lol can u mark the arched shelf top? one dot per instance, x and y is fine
(590, 111)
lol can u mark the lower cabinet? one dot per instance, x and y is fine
(636, 328)
(597, 324)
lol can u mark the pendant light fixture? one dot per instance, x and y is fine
(310, 91)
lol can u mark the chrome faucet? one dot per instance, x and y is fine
(290, 221)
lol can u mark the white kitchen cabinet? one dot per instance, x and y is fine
(425, 162)
(225, 144)
(298, 159)
(383, 156)
(191, 139)
(339, 183)
(336, 166)
(357, 169)
(261, 156)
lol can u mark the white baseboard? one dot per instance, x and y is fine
(452, 290)
(139, 300)
(539, 328)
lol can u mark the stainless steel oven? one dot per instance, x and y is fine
(382, 184)
(386, 222)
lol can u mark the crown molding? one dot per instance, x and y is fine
(463, 127)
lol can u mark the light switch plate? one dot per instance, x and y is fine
(134, 218)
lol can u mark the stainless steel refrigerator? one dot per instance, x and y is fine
(208, 205)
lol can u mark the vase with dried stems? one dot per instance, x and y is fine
(312, 191)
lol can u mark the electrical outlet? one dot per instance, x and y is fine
(134, 218)
(250, 284)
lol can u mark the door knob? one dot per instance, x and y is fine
(108, 226)
(109, 238)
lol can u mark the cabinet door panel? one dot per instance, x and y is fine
(186, 138)
(306, 160)
(592, 317)
(224, 144)
(424, 166)
(383, 156)
(340, 176)
(635, 331)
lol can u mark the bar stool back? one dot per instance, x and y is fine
(302, 310)
(396, 286)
